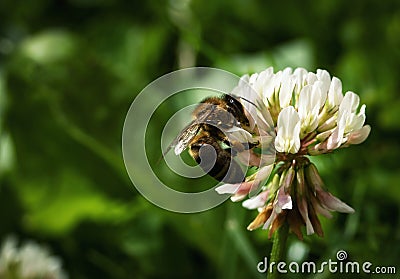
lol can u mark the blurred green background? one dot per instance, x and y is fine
(69, 71)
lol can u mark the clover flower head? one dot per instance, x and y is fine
(308, 115)
(28, 261)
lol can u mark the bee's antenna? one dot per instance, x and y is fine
(244, 99)
(163, 155)
(248, 101)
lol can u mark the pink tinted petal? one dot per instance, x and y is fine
(327, 124)
(303, 209)
(227, 188)
(318, 208)
(318, 149)
(245, 187)
(283, 201)
(314, 178)
(257, 201)
(332, 203)
(263, 174)
(358, 136)
(239, 190)
(236, 197)
(335, 139)
(301, 200)
(324, 135)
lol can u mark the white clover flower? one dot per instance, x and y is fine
(28, 261)
(349, 123)
(311, 99)
(335, 95)
(288, 131)
(348, 112)
(311, 117)
(286, 88)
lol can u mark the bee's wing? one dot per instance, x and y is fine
(182, 141)
(184, 138)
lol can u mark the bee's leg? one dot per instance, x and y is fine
(249, 145)
(234, 145)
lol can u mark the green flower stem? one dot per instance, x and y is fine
(278, 249)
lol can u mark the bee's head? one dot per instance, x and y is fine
(233, 103)
(236, 108)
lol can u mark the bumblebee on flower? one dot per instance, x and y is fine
(311, 116)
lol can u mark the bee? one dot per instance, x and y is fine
(205, 137)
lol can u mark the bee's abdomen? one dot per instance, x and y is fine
(215, 160)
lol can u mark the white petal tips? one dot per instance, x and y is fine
(288, 131)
